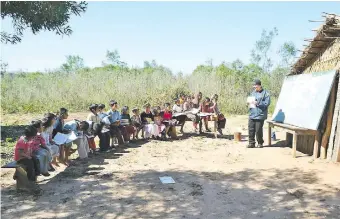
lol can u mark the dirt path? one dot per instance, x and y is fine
(215, 178)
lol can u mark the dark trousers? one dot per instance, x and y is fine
(221, 123)
(28, 165)
(118, 132)
(104, 141)
(255, 128)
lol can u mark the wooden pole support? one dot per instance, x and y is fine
(294, 144)
(316, 145)
(269, 135)
(326, 135)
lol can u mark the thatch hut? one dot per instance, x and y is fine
(323, 54)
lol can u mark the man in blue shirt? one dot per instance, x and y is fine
(115, 128)
(258, 112)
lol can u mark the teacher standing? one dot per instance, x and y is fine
(258, 112)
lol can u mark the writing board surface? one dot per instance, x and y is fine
(303, 98)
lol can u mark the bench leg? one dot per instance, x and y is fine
(22, 181)
(215, 128)
(269, 135)
(294, 144)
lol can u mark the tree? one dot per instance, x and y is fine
(287, 52)
(39, 15)
(3, 67)
(73, 63)
(113, 59)
(259, 54)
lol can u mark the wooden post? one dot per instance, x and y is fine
(316, 145)
(269, 135)
(327, 133)
(294, 144)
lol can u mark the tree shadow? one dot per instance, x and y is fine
(250, 193)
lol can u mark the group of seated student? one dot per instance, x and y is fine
(39, 154)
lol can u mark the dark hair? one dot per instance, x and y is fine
(166, 104)
(135, 110)
(49, 115)
(47, 121)
(30, 131)
(112, 102)
(93, 107)
(155, 111)
(147, 105)
(207, 99)
(63, 111)
(85, 124)
(36, 123)
(101, 106)
(125, 109)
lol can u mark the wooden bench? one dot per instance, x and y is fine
(295, 131)
(20, 176)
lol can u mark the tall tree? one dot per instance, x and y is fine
(113, 58)
(259, 55)
(73, 63)
(287, 52)
(39, 15)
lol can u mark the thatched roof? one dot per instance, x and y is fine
(325, 35)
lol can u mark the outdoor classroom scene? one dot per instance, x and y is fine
(252, 132)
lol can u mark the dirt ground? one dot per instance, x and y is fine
(215, 178)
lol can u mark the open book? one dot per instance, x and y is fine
(61, 138)
(250, 101)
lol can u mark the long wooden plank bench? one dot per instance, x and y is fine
(295, 131)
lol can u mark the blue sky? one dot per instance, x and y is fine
(179, 35)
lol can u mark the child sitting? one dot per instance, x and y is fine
(147, 118)
(47, 124)
(159, 128)
(101, 111)
(205, 108)
(93, 118)
(169, 122)
(125, 117)
(137, 123)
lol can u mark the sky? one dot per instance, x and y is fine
(178, 35)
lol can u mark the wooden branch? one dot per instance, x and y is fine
(315, 21)
(325, 137)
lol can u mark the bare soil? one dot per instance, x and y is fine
(215, 178)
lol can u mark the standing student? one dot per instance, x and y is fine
(258, 114)
(115, 128)
(65, 149)
(94, 118)
(221, 119)
(78, 127)
(197, 100)
(47, 129)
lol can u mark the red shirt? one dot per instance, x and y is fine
(167, 116)
(28, 145)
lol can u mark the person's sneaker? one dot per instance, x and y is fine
(220, 131)
(51, 168)
(259, 146)
(45, 174)
(250, 146)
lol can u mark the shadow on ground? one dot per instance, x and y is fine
(84, 191)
